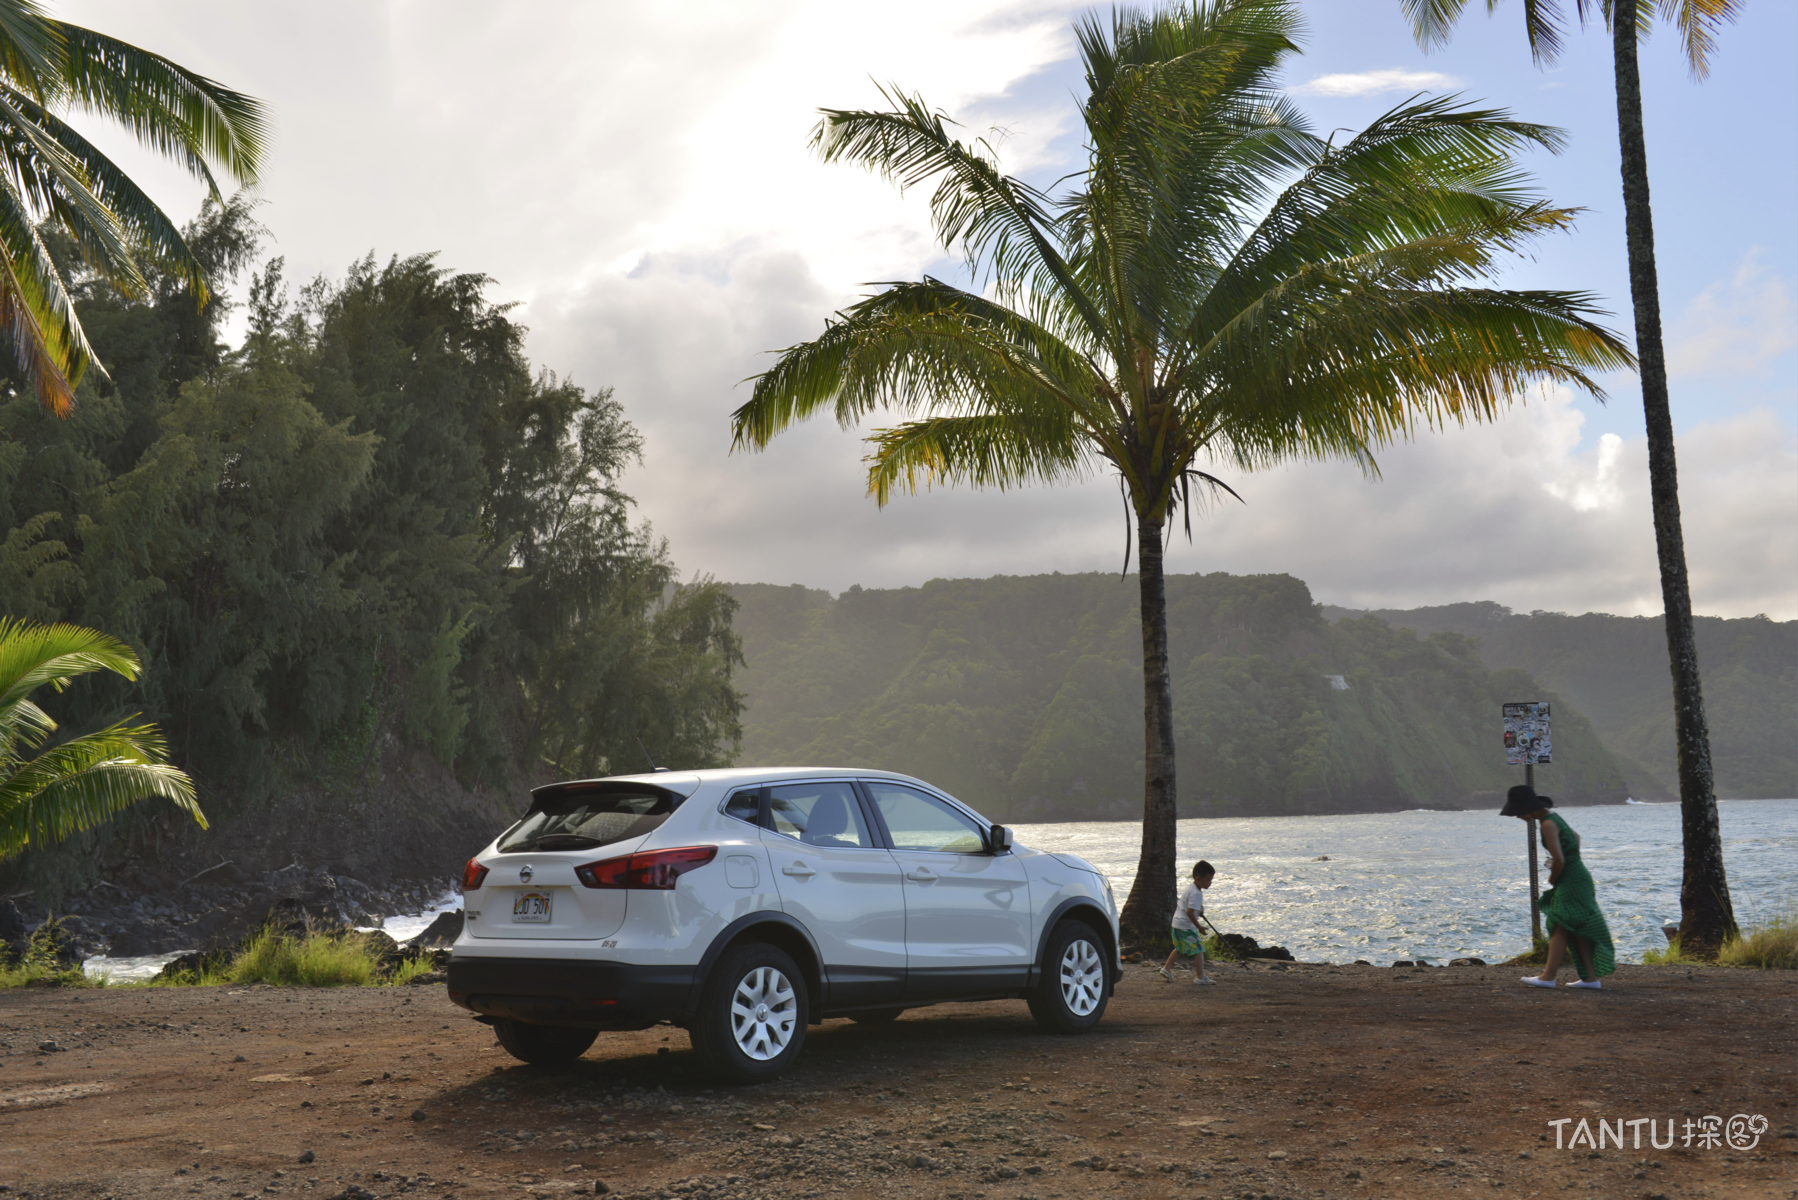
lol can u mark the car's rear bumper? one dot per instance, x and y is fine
(581, 992)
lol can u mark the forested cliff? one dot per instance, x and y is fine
(379, 571)
(1614, 669)
(1024, 696)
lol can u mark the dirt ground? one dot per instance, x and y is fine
(1306, 1081)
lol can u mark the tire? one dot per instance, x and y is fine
(753, 1014)
(1072, 995)
(876, 1016)
(543, 1045)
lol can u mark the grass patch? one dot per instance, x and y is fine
(1672, 956)
(314, 960)
(1216, 950)
(1770, 946)
(1535, 956)
(311, 959)
(410, 969)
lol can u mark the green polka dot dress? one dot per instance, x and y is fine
(1572, 905)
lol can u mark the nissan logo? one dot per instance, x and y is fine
(525, 873)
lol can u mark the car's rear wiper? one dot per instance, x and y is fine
(566, 841)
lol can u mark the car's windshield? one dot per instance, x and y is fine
(582, 820)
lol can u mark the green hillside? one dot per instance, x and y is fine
(1614, 669)
(1024, 696)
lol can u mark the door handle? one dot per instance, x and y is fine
(920, 875)
(798, 870)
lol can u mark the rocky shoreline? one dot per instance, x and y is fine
(214, 911)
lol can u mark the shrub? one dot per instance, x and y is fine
(46, 962)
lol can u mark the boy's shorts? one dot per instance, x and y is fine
(1186, 943)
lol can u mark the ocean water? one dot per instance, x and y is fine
(1430, 885)
(1442, 885)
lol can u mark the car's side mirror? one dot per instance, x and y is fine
(998, 840)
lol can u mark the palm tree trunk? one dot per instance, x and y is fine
(1706, 915)
(1150, 909)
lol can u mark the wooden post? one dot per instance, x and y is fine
(1529, 836)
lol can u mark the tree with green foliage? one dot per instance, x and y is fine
(75, 784)
(1707, 917)
(1220, 285)
(53, 175)
(370, 542)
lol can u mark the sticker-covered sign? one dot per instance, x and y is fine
(1526, 734)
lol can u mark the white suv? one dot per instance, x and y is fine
(746, 904)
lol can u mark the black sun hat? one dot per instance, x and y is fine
(1523, 799)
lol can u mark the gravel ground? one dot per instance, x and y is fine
(1307, 1081)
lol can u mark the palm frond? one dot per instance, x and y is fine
(85, 782)
(172, 111)
(37, 314)
(127, 222)
(32, 655)
(29, 47)
(983, 450)
(915, 345)
(1698, 22)
(976, 208)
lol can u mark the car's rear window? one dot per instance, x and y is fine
(584, 818)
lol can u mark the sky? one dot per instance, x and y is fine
(636, 179)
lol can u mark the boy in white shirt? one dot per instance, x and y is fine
(1187, 915)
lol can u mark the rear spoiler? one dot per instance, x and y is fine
(676, 787)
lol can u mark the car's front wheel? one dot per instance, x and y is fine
(1071, 996)
(751, 1021)
(544, 1045)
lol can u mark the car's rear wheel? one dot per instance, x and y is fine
(752, 1018)
(876, 1016)
(1071, 996)
(544, 1045)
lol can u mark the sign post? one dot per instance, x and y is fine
(1527, 742)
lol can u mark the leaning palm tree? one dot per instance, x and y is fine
(1707, 916)
(51, 173)
(1218, 287)
(74, 785)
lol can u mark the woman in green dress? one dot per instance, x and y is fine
(1570, 905)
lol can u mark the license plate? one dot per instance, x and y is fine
(531, 906)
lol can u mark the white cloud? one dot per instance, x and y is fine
(1736, 326)
(1374, 83)
(638, 177)
(1530, 514)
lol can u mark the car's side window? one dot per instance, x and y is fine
(745, 806)
(818, 814)
(918, 821)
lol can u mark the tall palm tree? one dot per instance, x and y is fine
(80, 783)
(1219, 286)
(1707, 916)
(49, 172)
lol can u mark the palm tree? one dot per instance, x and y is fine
(80, 783)
(1706, 915)
(49, 172)
(1219, 286)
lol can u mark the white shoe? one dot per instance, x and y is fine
(1203, 979)
(1163, 972)
(1534, 981)
(1590, 984)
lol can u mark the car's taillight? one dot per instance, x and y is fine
(472, 875)
(652, 869)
